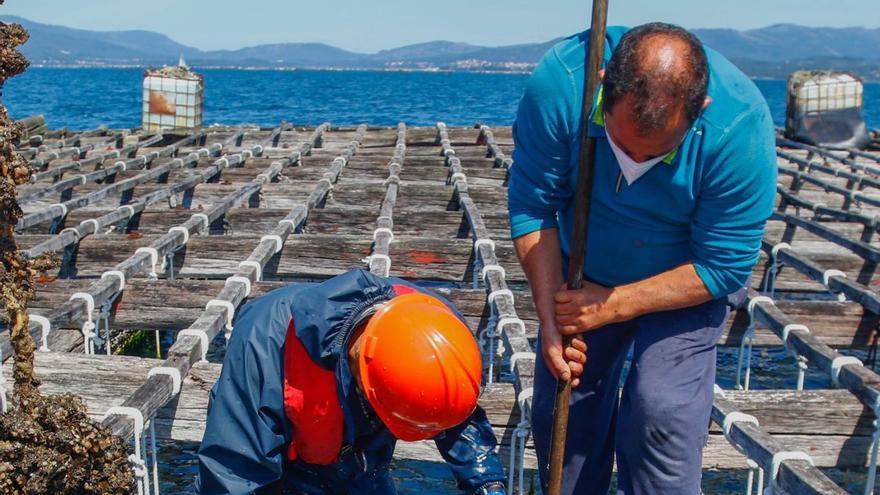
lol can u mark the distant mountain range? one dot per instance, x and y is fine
(772, 51)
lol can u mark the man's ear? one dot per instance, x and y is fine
(707, 101)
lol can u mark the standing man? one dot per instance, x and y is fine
(684, 181)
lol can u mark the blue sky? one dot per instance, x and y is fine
(368, 26)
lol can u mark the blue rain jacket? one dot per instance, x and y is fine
(247, 432)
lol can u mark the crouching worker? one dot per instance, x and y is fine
(321, 380)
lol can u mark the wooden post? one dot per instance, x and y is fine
(583, 195)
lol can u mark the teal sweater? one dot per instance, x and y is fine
(706, 203)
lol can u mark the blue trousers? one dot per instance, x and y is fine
(660, 424)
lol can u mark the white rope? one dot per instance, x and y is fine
(458, 176)
(516, 356)
(129, 208)
(779, 245)
(369, 261)
(838, 363)
(246, 154)
(94, 223)
(279, 242)
(288, 222)
(242, 280)
(169, 371)
(121, 165)
(736, 417)
(510, 320)
(72, 230)
(385, 230)
(230, 310)
(780, 457)
(63, 208)
(826, 276)
(138, 465)
(787, 329)
(488, 268)
(154, 260)
(500, 292)
(119, 276)
(182, 230)
(88, 299)
(203, 338)
(225, 162)
(718, 390)
(755, 301)
(258, 149)
(203, 218)
(83, 180)
(137, 418)
(256, 266)
(89, 325)
(525, 395)
(46, 327)
(486, 241)
(3, 403)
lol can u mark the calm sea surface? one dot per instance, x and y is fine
(87, 98)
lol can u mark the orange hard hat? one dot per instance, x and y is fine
(419, 366)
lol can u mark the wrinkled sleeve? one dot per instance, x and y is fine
(244, 443)
(735, 201)
(539, 180)
(469, 451)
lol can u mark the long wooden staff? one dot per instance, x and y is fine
(579, 234)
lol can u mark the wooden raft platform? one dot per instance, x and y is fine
(153, 228)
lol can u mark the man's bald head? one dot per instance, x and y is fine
(661, 71)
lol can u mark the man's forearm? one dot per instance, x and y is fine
(541, 258)
(677, 288)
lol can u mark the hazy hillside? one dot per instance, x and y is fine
(772, 51)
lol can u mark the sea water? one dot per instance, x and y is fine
(88, 98)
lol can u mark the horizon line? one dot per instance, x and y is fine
(171, 38)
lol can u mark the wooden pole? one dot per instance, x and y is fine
(579, 236)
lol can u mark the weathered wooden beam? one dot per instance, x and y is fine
(846, 372)
(494, 151)
(379, 259)
(822, 210)
(861, 248)
(791, 476)
(509, 327)
(834, 281)
(863, 154)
